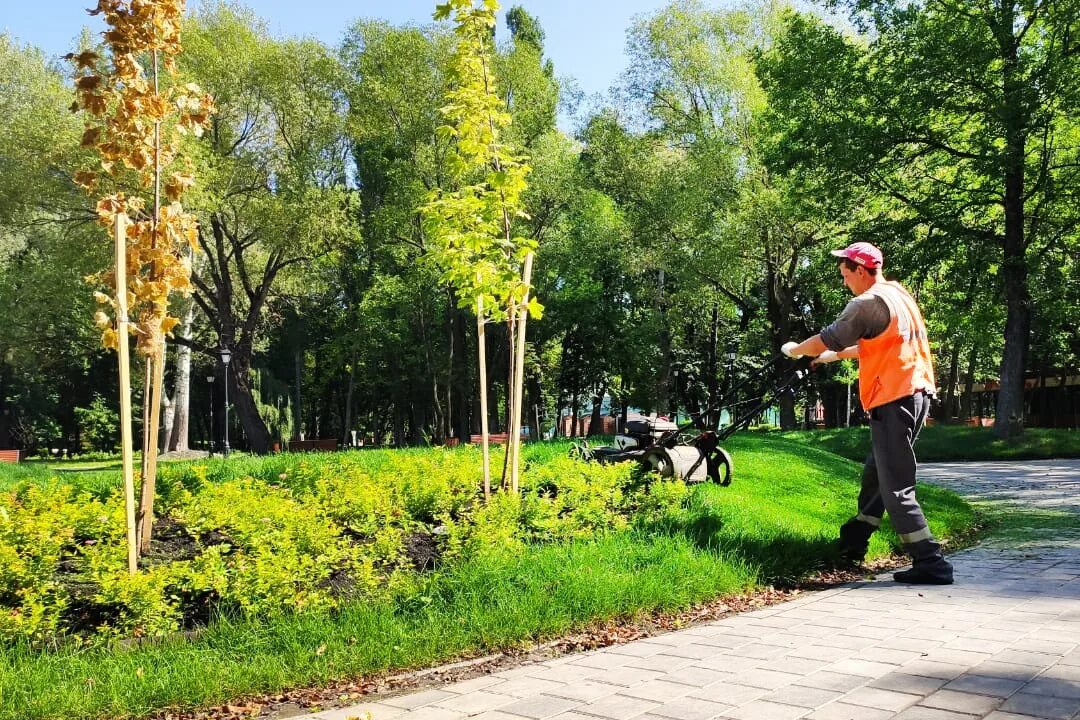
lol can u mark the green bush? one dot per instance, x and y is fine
(98, 426)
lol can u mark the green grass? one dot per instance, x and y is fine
(939, 443)
(773, 524)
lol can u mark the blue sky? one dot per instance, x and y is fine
(585, 38)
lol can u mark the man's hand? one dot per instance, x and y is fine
(788, 347)
(826, 357)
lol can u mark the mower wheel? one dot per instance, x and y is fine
(721, 467)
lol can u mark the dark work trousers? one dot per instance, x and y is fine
(888, 479)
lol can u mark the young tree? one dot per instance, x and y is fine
(473, 225)
(137, 113)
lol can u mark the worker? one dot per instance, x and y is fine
(883, 327)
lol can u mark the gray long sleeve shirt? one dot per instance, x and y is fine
(864, 317)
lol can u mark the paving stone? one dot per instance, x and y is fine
(690, 709)
(1008, 671)
(802, 696)
(417, 699)
(1050, 647)
(696, 676)
(946, 671)
(540, 707)
(919, 712)
(829, 654)
(1063, 672)
(843, 711)
(904, 683)
(584, 691)
(565, 673)
(888, 656)
(826, 680)
(1054, 687)
(865, 668)
(961, 702)
(691, 650)
(761, 710)
(725, 692)
(976, 645)
(476, 702)
(638, 648)
(618, 707)
(767, 679)
(795, 665)
(662, 662)
(985, 685)
(432, 712)
(1041, 706)
(658, 690)
(1021, 657)
(479, 683)
(624, 676)
(879, 698)
(601, 661)
(494, 715)
(377, 711)
(528, 686)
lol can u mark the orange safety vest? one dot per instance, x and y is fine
(897, 362)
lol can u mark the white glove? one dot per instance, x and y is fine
(826, 357)
(787, 347)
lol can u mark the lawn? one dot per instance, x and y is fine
(942, 443)
(664, 549)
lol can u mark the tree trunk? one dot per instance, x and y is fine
(969, 383)
(596, 418)
(1009, 416)
(663, 383)
(240, 397)
(949, 410)
(712, 419)
(298, 374)
(181, 414)
(348, 423)
(461, 376)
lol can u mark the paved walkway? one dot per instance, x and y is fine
(1001, 644)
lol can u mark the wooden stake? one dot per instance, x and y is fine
(149, 480)
(480, 346)
(125, 390)
(519, 375)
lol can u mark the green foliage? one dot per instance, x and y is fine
(99, 426)
(472, 225)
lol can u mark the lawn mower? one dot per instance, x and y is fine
(685, 451)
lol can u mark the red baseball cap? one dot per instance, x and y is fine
(861, 253)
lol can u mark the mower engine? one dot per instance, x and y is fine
(641, 433)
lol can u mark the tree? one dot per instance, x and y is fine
(135, 119)
(960, 118)
(473, 224)
(274, 199)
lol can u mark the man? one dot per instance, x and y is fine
(883, 328)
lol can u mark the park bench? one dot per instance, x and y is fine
(323, 445)
(10, 456)
(493, 438)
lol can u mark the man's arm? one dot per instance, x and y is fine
(848, 353)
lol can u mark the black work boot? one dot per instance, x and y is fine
(932, 571)
(854, 541)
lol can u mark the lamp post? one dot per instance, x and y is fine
(732, 351)
(210, 382)
(226, 356)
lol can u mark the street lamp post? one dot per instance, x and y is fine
(226, 356)
(210, 382)
(732, 351)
